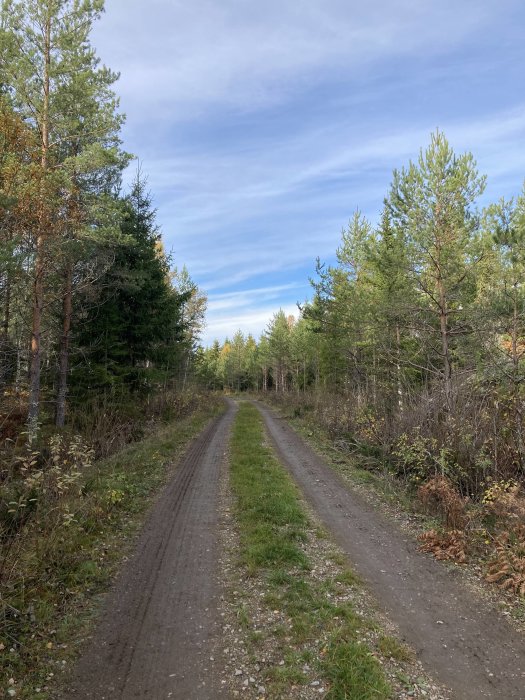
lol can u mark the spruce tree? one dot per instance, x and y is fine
(135, 320)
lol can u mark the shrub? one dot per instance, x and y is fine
(505, 499)
(440, 498)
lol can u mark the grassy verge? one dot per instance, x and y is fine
(62, 566)
(312, 620)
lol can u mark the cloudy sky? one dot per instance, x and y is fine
(263, 125)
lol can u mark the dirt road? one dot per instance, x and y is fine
(461, 641)
(156, 636)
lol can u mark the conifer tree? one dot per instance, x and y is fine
(58, 86)
(504, 308)
(432, 201)
(135, 320)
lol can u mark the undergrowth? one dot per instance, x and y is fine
(66, 524)
(485, 527)
(273, 528)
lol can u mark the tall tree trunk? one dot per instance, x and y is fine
(398, 369)
(518, 409)
(445, 345)
(186, 366)
(36, 343)
(7, 304)
(18, 373)
(38, 285)
(63, 360)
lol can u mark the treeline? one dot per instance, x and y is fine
(415, 339)
(92, 318)
(287, 357)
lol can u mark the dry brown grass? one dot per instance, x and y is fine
(439, 497)
(450, 545)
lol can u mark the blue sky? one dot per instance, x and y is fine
(263, 126)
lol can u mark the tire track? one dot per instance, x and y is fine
(460, 639)
(159, 622)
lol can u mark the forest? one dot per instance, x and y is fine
(408, 359)
(413, 342)
(98, 325)
(411, 350)
(94, 315)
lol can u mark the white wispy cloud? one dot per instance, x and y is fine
(246, 297)
(262, 126)
(222, 199)
(253, 322)
(177, 57)
(207, 185)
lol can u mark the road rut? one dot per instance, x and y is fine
(460, 639)
(160, 621)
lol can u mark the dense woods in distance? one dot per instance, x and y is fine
(413, 344)
(93, 319)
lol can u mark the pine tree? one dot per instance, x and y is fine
(18, 201)
(279, 347)
(391, 305)
(341, 309)
(57, 87)
(432, 201)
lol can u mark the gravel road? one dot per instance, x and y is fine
(461, 641)
(160, 621)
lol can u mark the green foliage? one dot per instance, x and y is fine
(431, 202)
(81, 267)
(420, 458)
(134, 323)
(412, 347)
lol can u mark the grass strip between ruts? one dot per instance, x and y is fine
(273, 527)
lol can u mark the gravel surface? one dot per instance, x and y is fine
(472, 573)
(460, 638)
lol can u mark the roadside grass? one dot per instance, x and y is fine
(391, 648)
(315, 625)
(59, 568)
